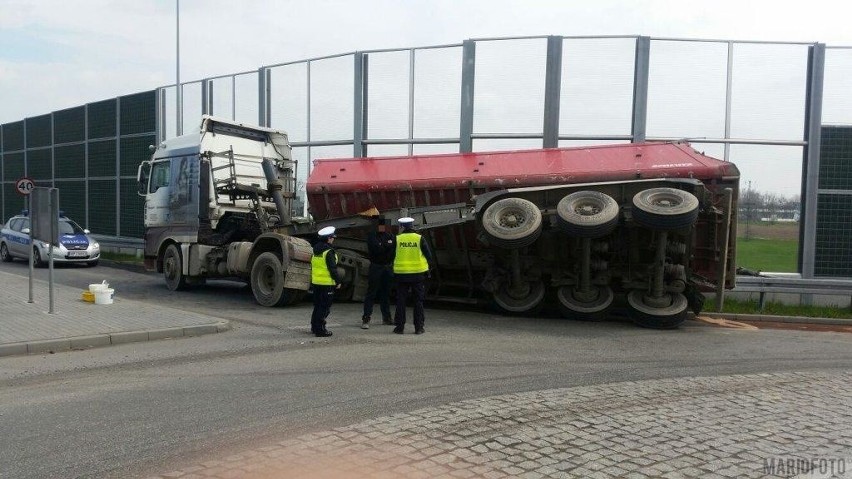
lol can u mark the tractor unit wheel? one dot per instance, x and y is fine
(172, 272)
(665, 208)
(667, 317)
(587, 214)
(267, 282)
(512, 223)
(594, 310)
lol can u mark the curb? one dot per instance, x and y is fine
(98, 340)
(777, 319)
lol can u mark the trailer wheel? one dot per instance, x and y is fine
(529, 302)
(668, 317)
(594, 310)
(512, 223)
(665, 208)
(587, 214)
(172, 272)
(267, 282)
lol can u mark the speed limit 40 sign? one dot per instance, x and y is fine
(24, 186)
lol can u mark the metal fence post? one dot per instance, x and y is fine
(262, 96)
(467, 86)
(205, 97)
(552, 91)
(640, 89)
(810, 161)
(360, 105)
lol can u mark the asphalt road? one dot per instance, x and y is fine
(144, 408)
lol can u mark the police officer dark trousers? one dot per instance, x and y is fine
(382, 246)
(324, 280)
(410, 268)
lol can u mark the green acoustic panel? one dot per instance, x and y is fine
(13, 136)
(132, 210)
(102, 207)
(72, 199)
(835, 164)
(40, 166)
(101, 158)
(13, 202)
(138, 113)
(833, 248)
(69, 125)
(134, 151)
(70, 161)
(39, 131)
(102, 119)
(13, 166)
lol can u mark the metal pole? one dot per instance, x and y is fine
(411, 100)
(810, 164)
(552, 90)
(179, 97)
(641, 70)
(360, 104)
(32, 245)
(728, 93)
(466, 114)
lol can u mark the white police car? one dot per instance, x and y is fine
(75, 244)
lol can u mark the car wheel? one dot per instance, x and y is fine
(512, 223)
(587, 214)
(172, 272)
(37, 261)
(4, 253)
(665, 208)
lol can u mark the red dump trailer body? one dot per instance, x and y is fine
(653, 222)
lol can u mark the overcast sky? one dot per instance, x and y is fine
(56, 54)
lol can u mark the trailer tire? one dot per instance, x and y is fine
(512, 223)
(669, 317)
(594, 310)
(665, 208)
(267, 282)
(172, 272)
(512, 305)
(587, 214)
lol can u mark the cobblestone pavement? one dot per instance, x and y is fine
(762, 425)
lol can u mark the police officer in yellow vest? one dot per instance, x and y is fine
(410, 269)
(324, 280)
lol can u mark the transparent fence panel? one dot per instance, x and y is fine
(509, 91)
(300, 155)
(686, 89)
(768, 91)
(388, 82)
(715, 150)
(436, 149)
(597, 86)
(769, 206)
(387, 150)
(223, 97)
(289, 100)
(169, 112)
(332, 108)
(336, 151)
(191, 107)
(245, 95)
(581, 143)
(506, 145)
(837, 100)
(437, 92)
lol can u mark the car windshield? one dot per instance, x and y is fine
(68, 227)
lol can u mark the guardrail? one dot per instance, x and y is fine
(120, 245)
(792, 285)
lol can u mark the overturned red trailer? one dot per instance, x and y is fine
(652, 223)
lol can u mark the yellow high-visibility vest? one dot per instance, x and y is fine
(320, 275)
(409, 259)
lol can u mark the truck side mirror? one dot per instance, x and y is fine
(142, 175)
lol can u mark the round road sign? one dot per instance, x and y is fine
(24, 186)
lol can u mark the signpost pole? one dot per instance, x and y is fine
(32, 259)
(54, 239)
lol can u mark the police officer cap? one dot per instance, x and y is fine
(407, 221)
(327, 232)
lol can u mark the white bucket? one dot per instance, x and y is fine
(95, 287)
(104, 296)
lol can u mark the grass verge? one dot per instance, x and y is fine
(774, 255)
(735, 306)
